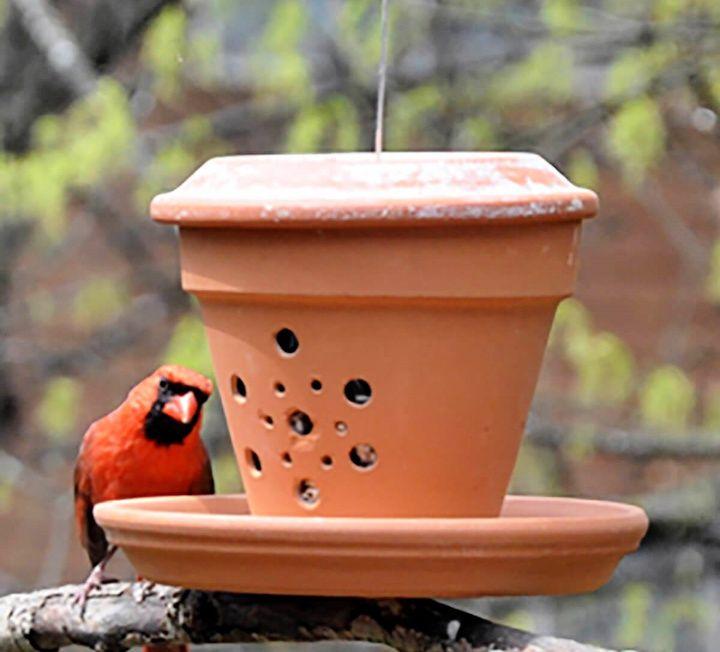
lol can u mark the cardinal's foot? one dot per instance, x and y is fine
(95, 580)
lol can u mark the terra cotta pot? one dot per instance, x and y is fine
(377, 324)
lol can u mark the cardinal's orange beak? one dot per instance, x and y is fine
(181, 408)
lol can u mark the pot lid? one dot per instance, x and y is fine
(362, 189)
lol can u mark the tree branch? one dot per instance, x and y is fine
(121, 615)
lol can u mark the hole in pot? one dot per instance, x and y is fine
(315, 385)
(238, 388)
(308, 494)
(253, 461)
(300, 422)
(286, 459)
(358, 391)
(279, 389)
(363, 456)
(326, 461)
(267, 420)
(341, 428)
(287, 341)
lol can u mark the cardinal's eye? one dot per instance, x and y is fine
(164, 383)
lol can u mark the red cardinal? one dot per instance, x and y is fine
(149, 446)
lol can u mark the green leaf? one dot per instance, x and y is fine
(409, 116)
(637, 137)
(331, 124)
(188, 346)
(635, 69)
(711, 409)
(546, 75)
(712, 282)
(635, 614)
(72, 150)
(281, 70)
(164, 49)
(307, 130)
(582, 169)
(99, 302)
(667, 399)
(475, 133)
(226, 475)
(562, 16)
(57, 411)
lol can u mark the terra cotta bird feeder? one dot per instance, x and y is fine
(377, 326)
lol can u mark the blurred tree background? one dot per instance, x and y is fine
(105, 103)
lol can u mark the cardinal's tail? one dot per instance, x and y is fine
(166, 648)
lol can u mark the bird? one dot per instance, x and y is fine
(148, 446)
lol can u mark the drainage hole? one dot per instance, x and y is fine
(363, 456)
(358, 391)
(300, 422)
(238, 388)
(315, 385)
(287, 341)
(279, 389)
(341, 428)
(253, 461)
(326, 461)
(308, 494)
(286, 459)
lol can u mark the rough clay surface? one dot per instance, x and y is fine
(342, 188)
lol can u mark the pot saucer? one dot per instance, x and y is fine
(538, 545)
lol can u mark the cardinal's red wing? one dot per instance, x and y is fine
(204, 484)
(91, 534)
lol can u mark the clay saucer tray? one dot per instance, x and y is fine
(537, 546)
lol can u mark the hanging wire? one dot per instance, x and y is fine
(382, 78)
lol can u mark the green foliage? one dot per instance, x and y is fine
(687, 609)
(194, 142)
(164, 49)
(562, 16)
(582, 169)
(409, 114)
(711, 75)
(711, 409)
(635, 69)
(605, 368)
(56, 413)
(226, 475)
(331, 124)
(282, 72)
(712, 282)
(667, 399)
(635, 614)
(71, 151)
(603, 364)
(360, 28)
(637, 137)
(99, 302)
(535, 471)
(545, 76)
(6, 495)
(188, 346)
(475, 133)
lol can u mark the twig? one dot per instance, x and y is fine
(637, 445)
(120, 615)
(57, 44)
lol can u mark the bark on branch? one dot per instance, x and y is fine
(122, 615)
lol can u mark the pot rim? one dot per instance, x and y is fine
(396, 189)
